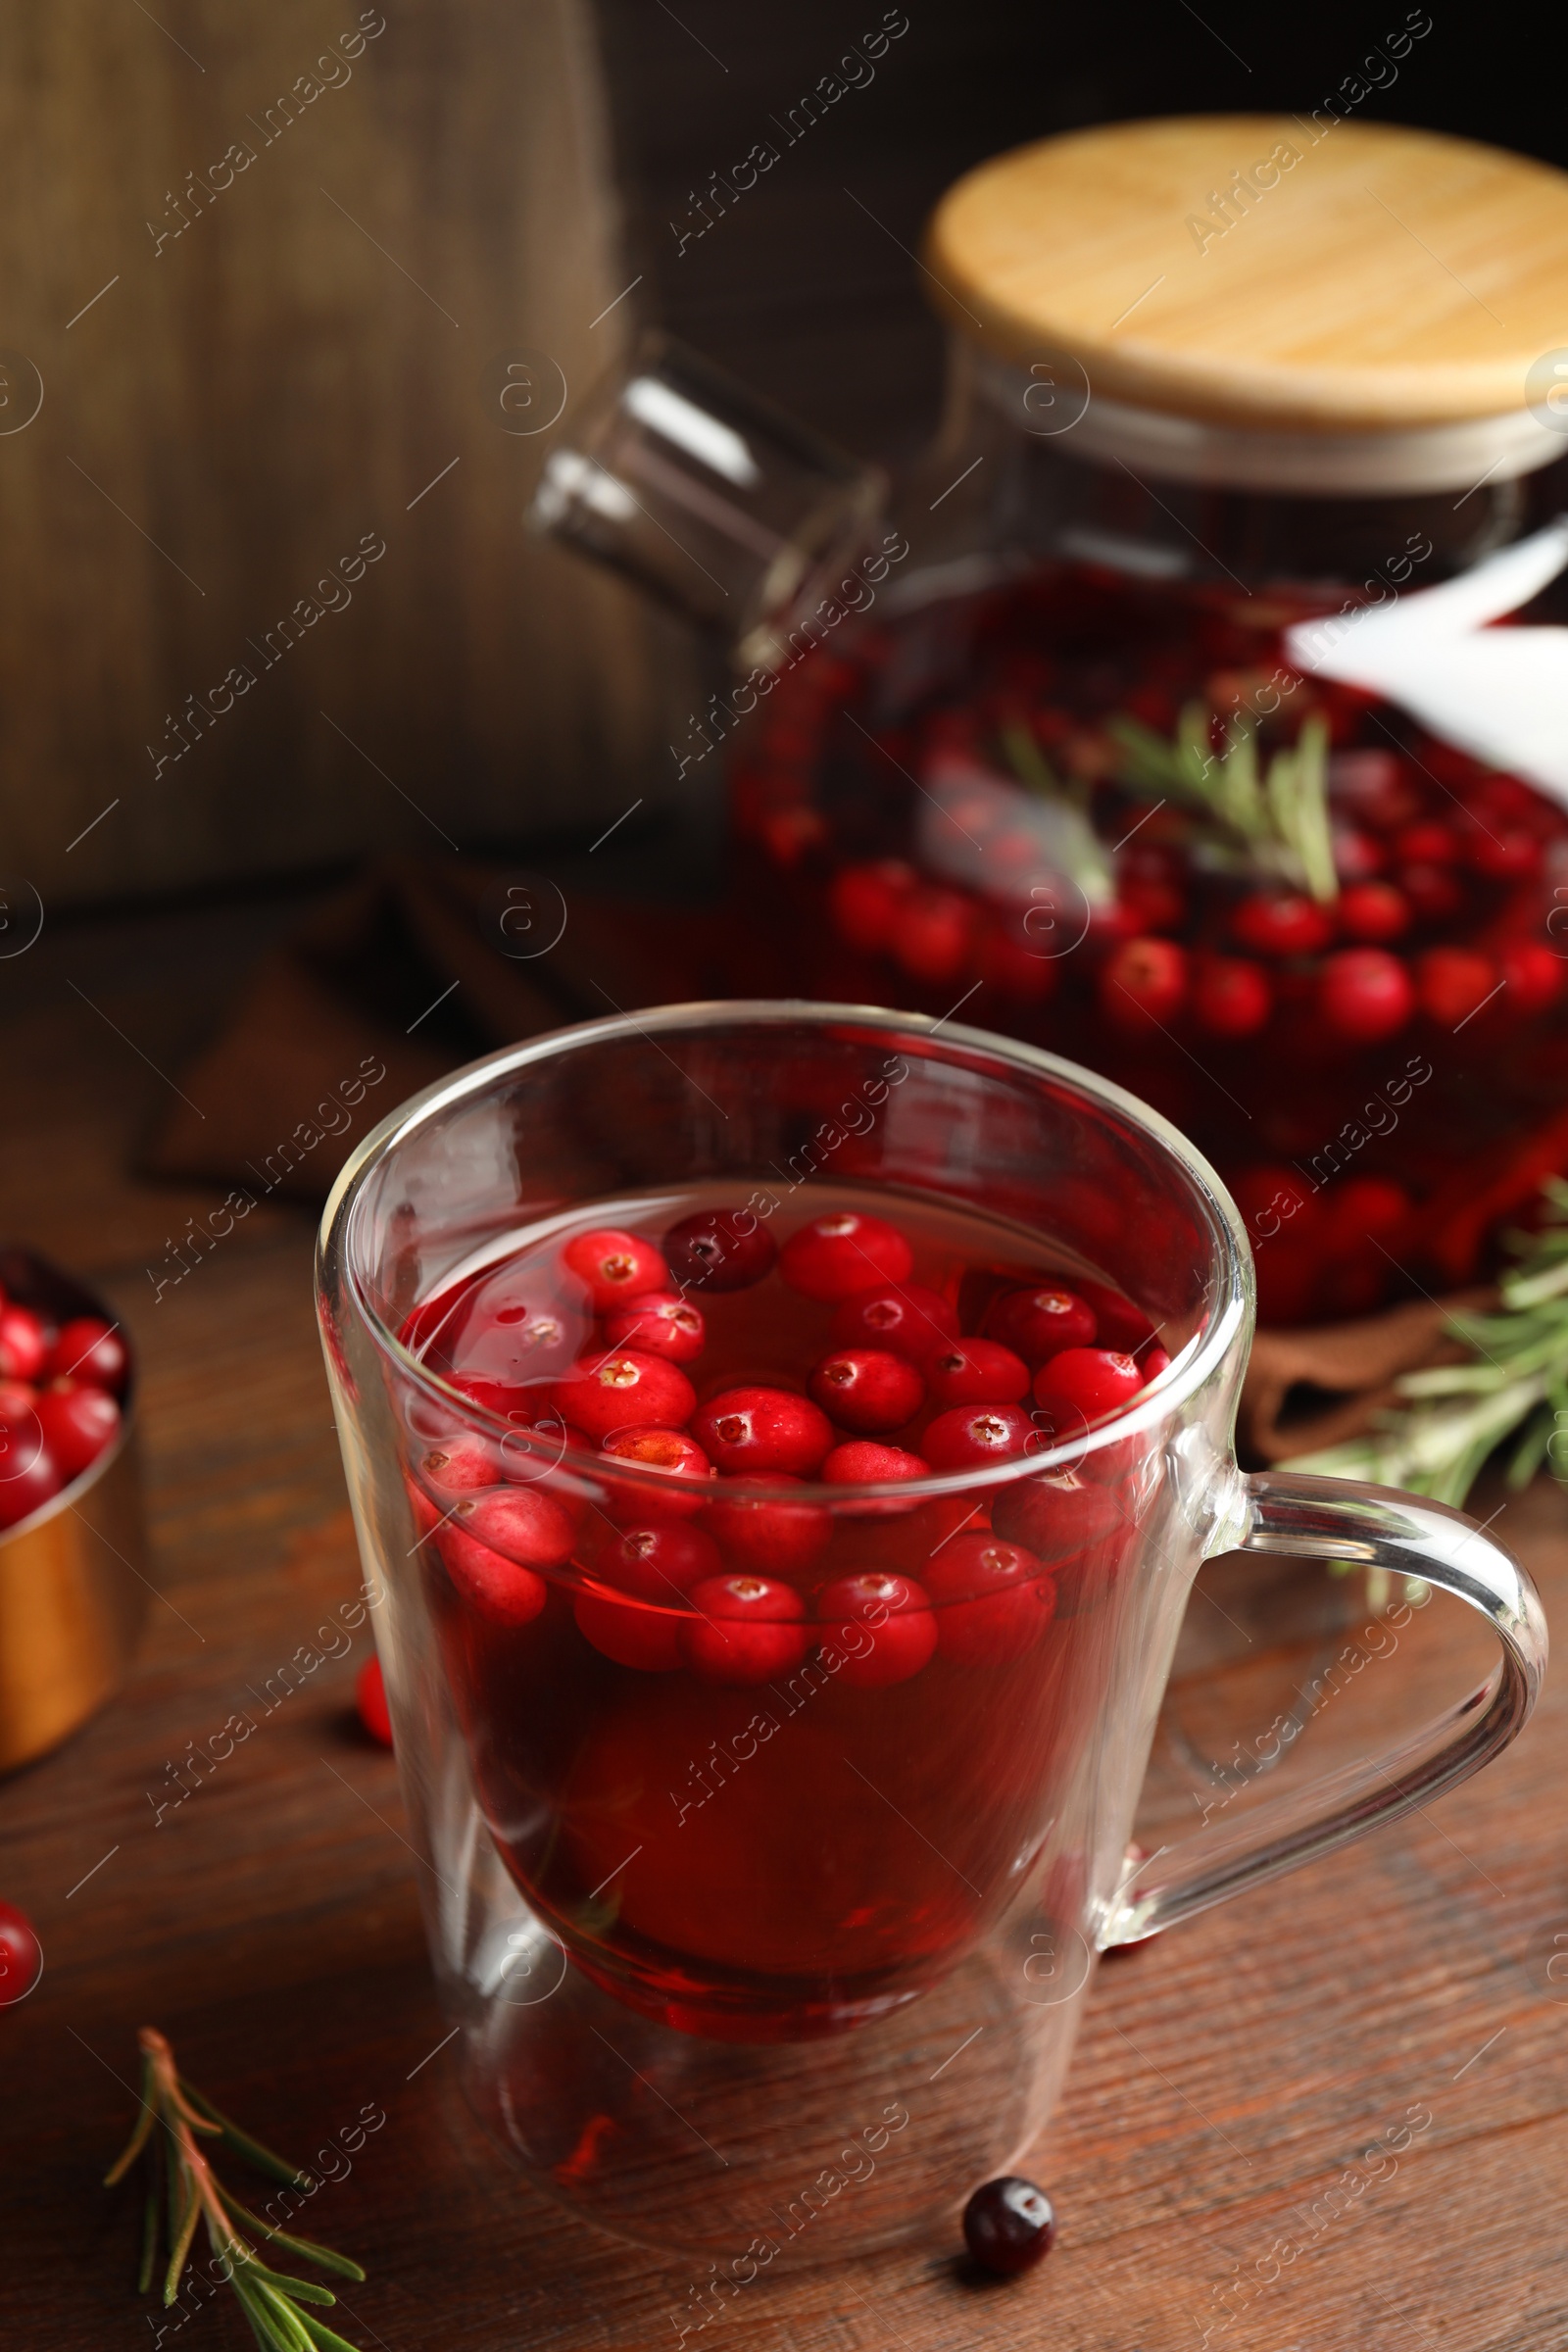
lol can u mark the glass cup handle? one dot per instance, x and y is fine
(1338, 1519)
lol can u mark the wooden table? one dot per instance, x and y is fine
(1226, 2078)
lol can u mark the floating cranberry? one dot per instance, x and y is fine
(1432, 891)
(1534, 974)
(616, 1265)
(20, 1955)
(1364, 994)
(746, 1629)
(842, 1253)
(1056, 1514)
(1085, 1384)
(1119, 1322)
(1144, 985)
(657, 1565)
(1373, 912)
(499, 1588)
(992, 1599)
(906, 1316)
(370, 1699)
(769, 1537)
(719, 1249)
(1427, 844)
(1012, 962)
(88, 1349)
(882, 1626)
(864, 901)
(974, 1435)
(460, 1466)
(976, 1372)
(623, 1389)
(933, 936)
(861, 1463)
(666, 1450)
(659, 1323)
(1281, 922)
(1452, 983)
(30, 1475)
(1041, 1323)
(1154, 1360)
(1357, 855)
(523, 1523)
(1008, 2225)
(1508, 855)
(78, 1422)
(753, 1430)
(1231, 998)
(23, 1343)
(1372, 785)
(869, 1390)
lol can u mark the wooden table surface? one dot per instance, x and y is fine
(1226, 2078)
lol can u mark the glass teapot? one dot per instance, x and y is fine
(1161, 717)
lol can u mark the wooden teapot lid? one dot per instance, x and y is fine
(1306, 276)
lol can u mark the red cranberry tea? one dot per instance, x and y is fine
(769, 1744)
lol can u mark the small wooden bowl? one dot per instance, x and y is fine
(73, 1574)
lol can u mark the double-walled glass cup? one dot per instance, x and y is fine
(786, 1966)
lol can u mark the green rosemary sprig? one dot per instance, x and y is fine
(1273, 820)
(181, 2189)
(1514, 1386)
(1070, 841)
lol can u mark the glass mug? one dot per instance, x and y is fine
(787, 1966)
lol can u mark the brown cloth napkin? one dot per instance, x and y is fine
(410, 970)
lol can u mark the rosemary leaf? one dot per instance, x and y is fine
(242, 2143)
(270, 2234)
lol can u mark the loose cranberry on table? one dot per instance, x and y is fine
(971, 1436)
(719, 1249)
(745, 1628)
(1086, 1383)
(23, 1343)
(370, 1698)
(623, 1389)
(772, 1538)
(977, 1372)
(659, 1323)
(78, 1421)
(992, 1600)
(881, 1624)
(906, 1316)
(869, 1390)
(20, 1955)
(616, 1265)
(1008, 2225)
(668, 1449)
(843, 1253)
(87, 1348)
(1039, 1323)
(753, 1430)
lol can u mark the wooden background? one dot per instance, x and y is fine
(229, 416)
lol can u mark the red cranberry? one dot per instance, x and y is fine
(868, 1390)
(523, 1523)
(370, 1698)
(861, 1463)
(1364, 994)
(973, 1435)
(1534, 977)
(1008, 2225)
(1452, 983)
(496, 1587)
(20, 1955)
(933, 936)
(659, 1323)
(1357, 855)
(1432, 891)
(23, 1343)
(1041, 1323)
(691, 1473)
(992, 1599)
(1056, 1514)
(89, 1349)
(1281, 922)
(977, 1372)
(1085, 1384)
(1373, 912)
(1154, 1360)
(1144, 984)
(866, 899)
(1120, 1323)
(719, 1249)
(1504, 856)
(30, 1475)
(842, 1253)
(78, 1423)
(1010, 963)
(1427, 844)
(1231, 998)
(746, 1629)
(1372, 783)
(881, 1624)
(623, 1389)
(753, 1430)
(769, 1537)
(657, 1564)
(616, 1265)
(462, 1465)
(906, 1316)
